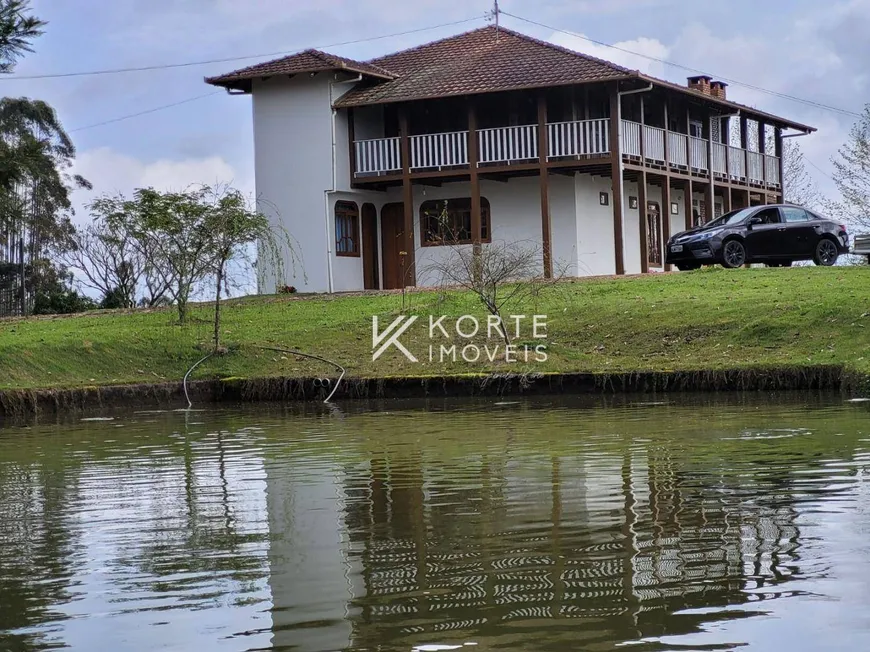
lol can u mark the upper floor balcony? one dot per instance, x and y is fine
(576, 140)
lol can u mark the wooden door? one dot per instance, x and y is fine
(392, 241)
(654, 234)
(370, 247)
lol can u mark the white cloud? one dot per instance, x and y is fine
(622, 53)
(112, 172)
(809, 60)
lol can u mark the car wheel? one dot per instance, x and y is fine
(826, 253)
(687, 267)
(733, 254)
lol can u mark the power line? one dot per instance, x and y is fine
(786, 96)
(820, 169)
(146, 111)
(187, 64)
(199, 97)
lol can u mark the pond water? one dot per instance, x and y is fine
(550, 524)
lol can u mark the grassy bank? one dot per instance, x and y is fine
(707, 320)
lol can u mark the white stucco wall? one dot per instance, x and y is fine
(582, 228)
(293, 167)
(515, 209)
(595, 250)
(678, 221)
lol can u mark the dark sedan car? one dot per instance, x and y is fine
(774, 234)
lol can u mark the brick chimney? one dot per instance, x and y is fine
(717, 89)
(700, 83)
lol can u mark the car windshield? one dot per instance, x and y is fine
(734, 217)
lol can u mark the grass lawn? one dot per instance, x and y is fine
(705, 320)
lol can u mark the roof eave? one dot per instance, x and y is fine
(734, 106)
(345, 102)
(244, 82)
(230, 85)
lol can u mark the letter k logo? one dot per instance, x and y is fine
(390, 336)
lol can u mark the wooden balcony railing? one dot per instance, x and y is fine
(631, 138)
(678, 150)
(654, 144)
(756, 166)
(771, 170)
(698, 154)
(508, 144)
(439, 150)
(719, 156)
(578, 138)
(377, 156)
(736, 163)
(566, 140)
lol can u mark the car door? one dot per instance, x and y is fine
(762, 239)
(800, 235)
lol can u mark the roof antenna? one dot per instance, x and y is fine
(495, 13)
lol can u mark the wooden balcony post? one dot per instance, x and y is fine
(689, 141)
(762, 149)
(546, 228)
(474, 178)
(410, 274)
(641, 194)
(641, 218)
(351, 147)
(744, 146)
(777, 148)
(709, 203)
(667, 138)
(666, 219)
(728, 150)
(687, 205)
(642, 132)
(616, 177)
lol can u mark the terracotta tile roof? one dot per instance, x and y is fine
(483, 60)
(303, 62)
(480, 61)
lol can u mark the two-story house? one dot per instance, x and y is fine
(376, 167)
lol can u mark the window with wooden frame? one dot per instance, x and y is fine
(346, 228)
(448, 221)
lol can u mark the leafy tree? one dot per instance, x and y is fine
(852, 174)
(17, 29)
(798, 186)
(112, 262)
(190, 236)
(172, 229)
(54, 293)
(114, 299)
(234, 225)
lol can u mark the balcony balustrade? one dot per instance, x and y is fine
(576, 139)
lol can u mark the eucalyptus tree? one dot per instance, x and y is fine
(36, 155)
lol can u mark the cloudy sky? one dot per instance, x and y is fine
(804, 48)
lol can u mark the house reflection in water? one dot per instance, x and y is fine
(412, 547)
